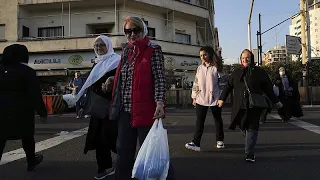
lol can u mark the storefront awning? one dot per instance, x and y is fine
(52, 73)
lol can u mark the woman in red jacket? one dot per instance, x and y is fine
(139, 93)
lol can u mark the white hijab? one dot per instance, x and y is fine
(104, 64)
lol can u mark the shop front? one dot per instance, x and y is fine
(184, 68)
(55, 70)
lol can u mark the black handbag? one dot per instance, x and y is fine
(96, 106)
(256, 100)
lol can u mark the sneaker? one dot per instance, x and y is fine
(192, 146)
(78, 117)
(105, 173)
(38, 158)
(250, 158)
(220, 144)
(86, 116)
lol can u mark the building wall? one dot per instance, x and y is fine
(9, 18)
(295, 29)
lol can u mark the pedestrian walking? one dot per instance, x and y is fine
(205, 94)
(20, 97)
(102, 132)
(139, 93)
(248, 83)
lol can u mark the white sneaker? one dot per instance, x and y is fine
(86, 116)
(192, 147)
(220, 144)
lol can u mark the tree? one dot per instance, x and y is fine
(294, 68)
(315, 73)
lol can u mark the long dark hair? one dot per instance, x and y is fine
(213, 57)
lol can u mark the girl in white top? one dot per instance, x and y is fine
(205, 94)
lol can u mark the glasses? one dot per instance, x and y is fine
(135, 31)
(99, 45)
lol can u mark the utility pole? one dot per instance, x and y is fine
(249, 25)
(303, 31)
(260, 41)
(308, 63)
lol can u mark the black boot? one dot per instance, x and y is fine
(38, 158)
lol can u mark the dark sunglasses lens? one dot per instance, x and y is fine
(135, 31)
(127, 31)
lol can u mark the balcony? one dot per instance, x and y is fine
(193, 9)
(86, 43)
(26, 2)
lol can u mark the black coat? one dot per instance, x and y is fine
(20, 97)
(101, 132)
(294, 101)
(258, 82)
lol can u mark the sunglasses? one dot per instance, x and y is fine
(135, 31)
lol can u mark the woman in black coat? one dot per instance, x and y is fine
(288, 95)
(243, 116)
(20, 97)
(102, 132)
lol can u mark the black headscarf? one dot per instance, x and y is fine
(15, 54)
(248, 70)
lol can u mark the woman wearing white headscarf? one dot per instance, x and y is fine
(102, 133)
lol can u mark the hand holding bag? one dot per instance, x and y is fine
(256, 100)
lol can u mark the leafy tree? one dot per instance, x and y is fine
(294, 68)
(315, 73)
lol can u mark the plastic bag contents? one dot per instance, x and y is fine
(152, 161)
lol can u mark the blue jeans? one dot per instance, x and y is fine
(250, 141)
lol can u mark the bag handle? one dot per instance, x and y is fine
(245, 83)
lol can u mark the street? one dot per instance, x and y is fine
(284, 150)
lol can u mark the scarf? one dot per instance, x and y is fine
(104, 64)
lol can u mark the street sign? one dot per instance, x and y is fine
(293, 45)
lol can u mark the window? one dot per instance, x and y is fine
(183, 38)
(151, 32)
(25, 31)
(2, 29)
(316, 30)
(99, 28)
(51, 32)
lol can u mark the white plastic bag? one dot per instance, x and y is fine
(276, 90)
(152, 161)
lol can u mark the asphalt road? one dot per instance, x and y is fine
(284, 151)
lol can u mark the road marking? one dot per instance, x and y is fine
(302, 124)
(42, 145)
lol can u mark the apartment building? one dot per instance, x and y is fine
(60, 33)
(277, 54)
(295, 28)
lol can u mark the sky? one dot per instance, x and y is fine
(231, 19)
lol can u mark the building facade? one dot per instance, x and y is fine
(60, 33)
(277, 54)
(295, 28)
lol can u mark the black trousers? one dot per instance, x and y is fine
(201, 112)
(127, 144)
(28, 145)
(103, 156)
